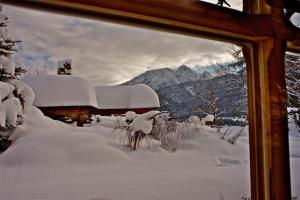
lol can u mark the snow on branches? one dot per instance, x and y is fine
(14, 94)
(292, 77)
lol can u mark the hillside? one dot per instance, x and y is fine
(180, 90)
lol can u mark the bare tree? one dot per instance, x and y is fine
(236, 80)
(37, 69)
(236, 84)
(209, 102)
(292, 77)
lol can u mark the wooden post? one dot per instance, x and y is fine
(80, 119)
(269, 149)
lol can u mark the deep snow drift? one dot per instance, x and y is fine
(50, 160)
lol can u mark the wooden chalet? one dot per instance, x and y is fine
(264, 31)
(63, 97)
(117, 100)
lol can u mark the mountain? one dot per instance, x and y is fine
(206, 75)
(184, 99)
(160, 78)
(180, 90)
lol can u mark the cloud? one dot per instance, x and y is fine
(102, 52)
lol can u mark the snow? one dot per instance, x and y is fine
(194, 119)
(207, 118)
(24, 90)
(50, 160)
(130, 115)
(126, 97)
(61, 90)
(3, 18)
(144, 122)
(5, 90)
(291, 109)
(10, 110)
(7, 64)
(190, 90)
(2, 116)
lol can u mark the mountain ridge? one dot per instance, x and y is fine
(159, 78)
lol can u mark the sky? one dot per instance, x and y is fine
(106, 53)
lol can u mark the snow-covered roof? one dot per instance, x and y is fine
(124, 97)
(61, 90)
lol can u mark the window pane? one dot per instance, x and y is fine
(194, 145)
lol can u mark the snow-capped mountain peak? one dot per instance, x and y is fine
(159, 78)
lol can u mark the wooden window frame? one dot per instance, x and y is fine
(265, 35)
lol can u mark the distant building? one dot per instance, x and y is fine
(73, 98)
(120, 99)
(63, 96)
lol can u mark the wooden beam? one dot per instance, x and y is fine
(269, 148)
(188, 17)
(184, 16)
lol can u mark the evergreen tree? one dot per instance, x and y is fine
(10, 96)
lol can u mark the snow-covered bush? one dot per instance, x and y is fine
(194, 119)
(187, 131)
(130, 116)
(159, 126)
(139, 128)
(208, 119)
(153, 125)
(120, 123)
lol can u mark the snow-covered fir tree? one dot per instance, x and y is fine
(14, 94)
(7, 44)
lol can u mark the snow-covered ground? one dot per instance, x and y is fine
(51, 160)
